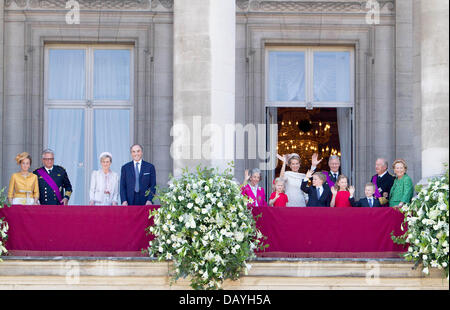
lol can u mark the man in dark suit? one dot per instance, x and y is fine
(137, 179)
(334, 162)
(369, 201)
(54, 184)
(319, 193)
(383, 181)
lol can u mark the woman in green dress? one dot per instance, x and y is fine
(403, 189)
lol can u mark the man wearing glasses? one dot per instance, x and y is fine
(54, 184)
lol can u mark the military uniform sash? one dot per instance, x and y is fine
(50, 182)
(374, 181)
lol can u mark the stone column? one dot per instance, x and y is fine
(204, 83)
(2, 24)
(14, 94)
(435, 111)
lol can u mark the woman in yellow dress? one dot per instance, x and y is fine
(23, 185)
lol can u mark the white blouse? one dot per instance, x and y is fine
(101, 183)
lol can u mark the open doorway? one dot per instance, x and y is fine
(326, 131)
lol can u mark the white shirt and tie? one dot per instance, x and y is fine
(319, 191)
(332, 174)
(370, 201)
(137, 171)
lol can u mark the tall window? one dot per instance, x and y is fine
(88, 109)
(305, 76)
(313, 77)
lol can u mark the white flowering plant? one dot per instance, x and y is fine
(3, 224)
(426, 218)
(205, 227)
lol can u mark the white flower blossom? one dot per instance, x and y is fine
(239, 236)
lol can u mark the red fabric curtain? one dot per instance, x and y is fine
(77, 230)
(330, 232)
(121, 231)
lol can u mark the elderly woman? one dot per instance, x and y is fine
(23, 185)
(402, 191)
(252, 190)
(293, 180)
(104, 183)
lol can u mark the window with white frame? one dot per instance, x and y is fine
(305, 76)
(88, 109)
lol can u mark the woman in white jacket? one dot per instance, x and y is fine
(104, 183)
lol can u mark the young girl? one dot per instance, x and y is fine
(278, 197)
(341, 193)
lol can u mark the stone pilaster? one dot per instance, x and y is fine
(14, 105)
(434, 85)
(2, 25)
(204, 83)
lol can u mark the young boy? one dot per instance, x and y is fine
(319, 193)
(369, 201)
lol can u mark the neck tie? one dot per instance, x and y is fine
(136, 172)
(49, 171)
(318, 192)
(370, 202)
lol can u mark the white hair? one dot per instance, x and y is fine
(46, 151)
(105, 154)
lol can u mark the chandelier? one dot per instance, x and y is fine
(298, 134)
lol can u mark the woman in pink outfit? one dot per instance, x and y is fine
(251, 189)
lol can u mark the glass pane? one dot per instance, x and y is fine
(286, 76)
(112, 134)
(66, 137)
(332, 76)
(66, 74)
(112, 74)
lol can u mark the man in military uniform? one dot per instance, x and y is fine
(54, 184)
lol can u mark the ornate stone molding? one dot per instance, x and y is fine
(84, 4)
(294, 6)
(242, 4)
(19, 3)
(167, 4)
(386, 6)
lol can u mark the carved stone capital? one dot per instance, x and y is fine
(167, 4)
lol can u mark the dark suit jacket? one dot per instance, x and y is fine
(147, 181)
(385, 183)
(314, 201)
(46, 194)
(364, 202)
